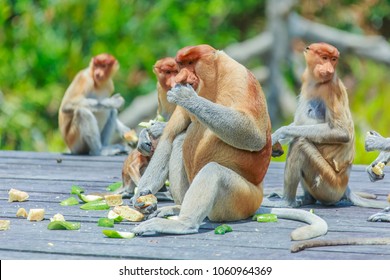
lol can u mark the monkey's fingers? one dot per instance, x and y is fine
(373, 176)
(146, 204)
(277, 150)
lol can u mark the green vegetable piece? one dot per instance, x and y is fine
(145, 124)
(114, 216)
(113, 187)
(106, 222)
(222, 229)
(76, 190)
(63, 225)
(265, 218)
(167, 183)
(95, 205)
(118, 234)
(89, 197)
(69, 201)
(311, 211)
(159, 118)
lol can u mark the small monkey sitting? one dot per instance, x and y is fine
(88, 112)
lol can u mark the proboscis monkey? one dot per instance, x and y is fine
(216, 168)
(375, 141)
(137, 161)
(88, 112)
(321, 150)
(165, 69)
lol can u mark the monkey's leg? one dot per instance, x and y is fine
(88, 128)
(177, 178)
(106, 134)
(292, 176)
(329, 184)
(177, 174)
(216, 192)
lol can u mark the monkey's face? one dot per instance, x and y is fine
(188, 60)
(103, 67)
(166, 70)
(322, 60)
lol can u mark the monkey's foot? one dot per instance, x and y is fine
(166, 212)
(383, 216)
(160, 225)
(373, 176)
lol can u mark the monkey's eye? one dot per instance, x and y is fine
(307, 48)
(334, 59)
(325, 58)
(189, 62)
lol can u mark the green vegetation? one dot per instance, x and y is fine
(43, 44)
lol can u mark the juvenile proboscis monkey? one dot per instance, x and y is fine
(375, 141)
(88, 112)
(134, 166)
(216, 168)
(321, 137)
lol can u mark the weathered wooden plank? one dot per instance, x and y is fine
(49, 182)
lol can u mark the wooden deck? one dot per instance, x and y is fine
(49, 180)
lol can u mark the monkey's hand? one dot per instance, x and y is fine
(156, 129)
(181, 94)
(374, 141)
(139, 202)
(116, 101)
(278, 136)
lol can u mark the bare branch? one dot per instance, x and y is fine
(372, 47)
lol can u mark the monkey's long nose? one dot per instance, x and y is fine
(329, 68)
(182, 77)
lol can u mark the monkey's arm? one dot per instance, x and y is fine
(375, 141)
(317, 133)
(157, 171)
(233, 127)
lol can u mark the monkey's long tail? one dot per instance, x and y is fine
(337, 242)
(316, 225)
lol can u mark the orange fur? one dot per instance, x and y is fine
(165, 69)
(333, 162)
(240, 91)
(96, 79)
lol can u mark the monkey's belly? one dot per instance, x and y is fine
(202, 146)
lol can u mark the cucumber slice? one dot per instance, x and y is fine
(118, 234)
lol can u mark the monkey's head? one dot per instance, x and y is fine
(192, 61)
(321, 60)
(166, 69)
(103, 67)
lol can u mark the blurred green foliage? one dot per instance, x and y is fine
(43, 44)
